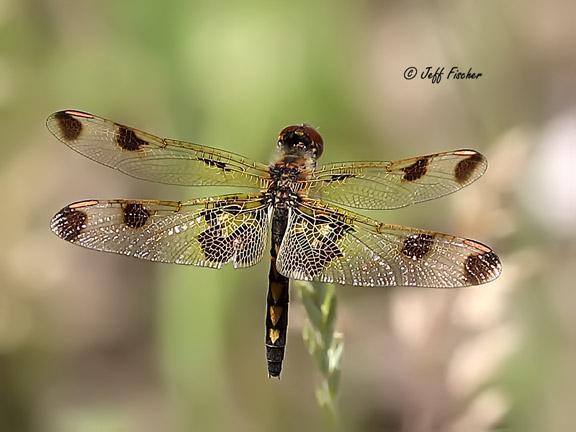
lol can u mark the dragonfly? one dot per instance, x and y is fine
(294, 204)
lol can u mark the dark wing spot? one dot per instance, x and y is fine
(214, 163)
(417, 246)
(466, 167)
(481, 268)
(135, 215)
(340, 177)
(320, 245)
(70, 126)
(216, 247)
(68, 223)
(416, 170)
(211, 216)
(127, 139)
(339, 230)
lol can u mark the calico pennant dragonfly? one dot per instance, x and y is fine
(296, 200)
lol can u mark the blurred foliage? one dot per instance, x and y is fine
(324, 344)
(94, 342)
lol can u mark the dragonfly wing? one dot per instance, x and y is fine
(146, 156)
(328, 244)
(206, 232)
(388, 185)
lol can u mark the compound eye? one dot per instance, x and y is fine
(302, 137)
(289, 136)
(316, 141)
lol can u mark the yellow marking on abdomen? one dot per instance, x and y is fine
(274, 335)
(275, 313)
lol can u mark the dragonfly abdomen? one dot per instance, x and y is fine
(277, 299)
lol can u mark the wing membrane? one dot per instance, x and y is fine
(388, 185)
(206, 232)
(326, 244)
(145, 156)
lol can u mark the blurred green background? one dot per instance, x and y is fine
(96, 342)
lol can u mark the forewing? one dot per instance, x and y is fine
(326, 244)
(388, 185)
(206, 232)
(145, 156)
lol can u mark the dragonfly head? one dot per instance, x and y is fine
(302, 140)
